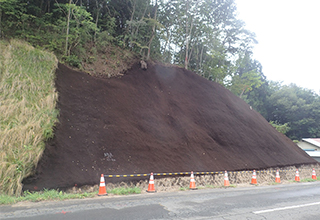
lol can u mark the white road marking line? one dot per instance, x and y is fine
(288, 207)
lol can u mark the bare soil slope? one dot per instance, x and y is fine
(163, 119)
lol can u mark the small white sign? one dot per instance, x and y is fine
(109, 156)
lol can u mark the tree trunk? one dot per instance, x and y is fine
(166, 43)
(153, 30)
(187, 36)
(240, 96)
(201, 55)
(97, 19)
(131, 19)
(0, 23)
(68, 23)
(191, 51)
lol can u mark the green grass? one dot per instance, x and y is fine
(304, 180)
(57, 195)
(184, 188)
(28, 110)
(125, 191)
(307, 180)
(7, 200)
(44, 196)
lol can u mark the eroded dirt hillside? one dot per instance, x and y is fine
(163, 119)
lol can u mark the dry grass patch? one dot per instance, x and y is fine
(27, 105)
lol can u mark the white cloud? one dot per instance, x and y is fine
(289, 39)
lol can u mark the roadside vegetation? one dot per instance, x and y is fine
(60, 195)
(28, 110)
(43, 196)
(308, 180)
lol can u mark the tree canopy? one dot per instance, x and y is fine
(204, 36)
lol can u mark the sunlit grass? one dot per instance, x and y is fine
(28, 110)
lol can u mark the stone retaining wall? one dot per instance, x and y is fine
(236, 178)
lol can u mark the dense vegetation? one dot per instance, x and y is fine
(292, 109)
(204, 36)
(27, 107)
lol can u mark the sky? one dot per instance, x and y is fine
(288, 34)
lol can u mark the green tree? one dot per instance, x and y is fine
(281, 128)
(206, 36)
(77, 27)
(247, 75)
(298, 107)
(13, 17)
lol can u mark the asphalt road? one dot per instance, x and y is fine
(291, 201)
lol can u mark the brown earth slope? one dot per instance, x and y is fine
(164, 119)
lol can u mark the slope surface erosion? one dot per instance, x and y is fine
(164, 119)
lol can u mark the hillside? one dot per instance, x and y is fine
(163, 119)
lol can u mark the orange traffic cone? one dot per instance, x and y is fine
(254, 178)
(314, 176)
(102, 187)
(192, 181)
(297, 178)
(278, 177)
(151, 184)
(226, 179)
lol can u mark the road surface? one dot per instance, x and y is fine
(290, 202)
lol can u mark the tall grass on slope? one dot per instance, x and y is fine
(27, 110)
